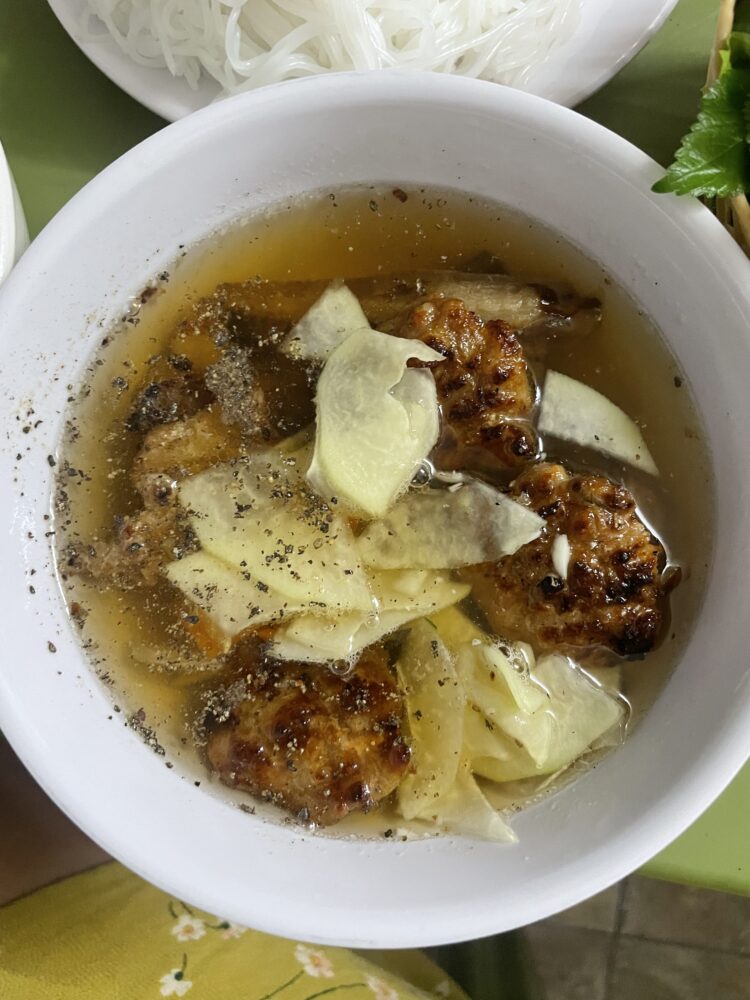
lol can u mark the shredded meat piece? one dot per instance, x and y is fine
(141, 544)
(492, 295)
(613, 595)
(234, 383)
(184, 448)
(265, 309)
(484, 384)
(167, 400)
(137, 549)
(315, 743)
(386, 300)
(252, 314)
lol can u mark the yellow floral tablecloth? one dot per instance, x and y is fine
(108, 935)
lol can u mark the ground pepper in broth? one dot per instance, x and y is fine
(498, 617)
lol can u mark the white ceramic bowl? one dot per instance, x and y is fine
(607, 37)
(230, 160)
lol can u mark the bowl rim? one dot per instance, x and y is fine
(683, 802)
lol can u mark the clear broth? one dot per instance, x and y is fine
(352, 234)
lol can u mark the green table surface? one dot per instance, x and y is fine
(62, 121)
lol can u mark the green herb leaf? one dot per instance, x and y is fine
(713, 158)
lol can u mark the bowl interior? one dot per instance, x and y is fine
(200, 175)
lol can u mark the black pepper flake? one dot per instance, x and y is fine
(677, 382)
(400, 194)
(180, 362)
(148, 292)
(51, 461)
(137, 723)
(51, 647)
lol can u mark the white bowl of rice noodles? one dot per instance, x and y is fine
(176, 58)
(234, 160)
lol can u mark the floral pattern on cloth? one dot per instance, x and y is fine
(174, 984)
(107, 933)
(379, 989)
(314, 962)
(188, 928)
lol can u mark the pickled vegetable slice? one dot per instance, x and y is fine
(464, 809)
(233, 600)
(258, 516)
(376, 420)
(319, 639)
(435, 703)
(439, 529)
(326, 324)
(575, 412)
